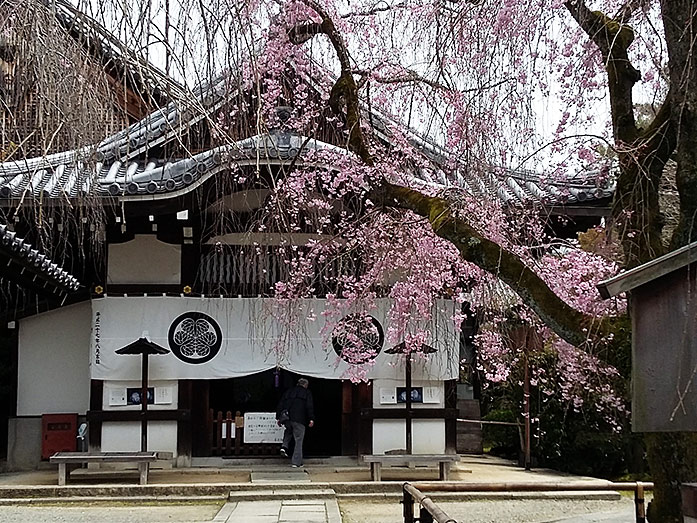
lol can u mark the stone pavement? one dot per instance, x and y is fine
(281, 511)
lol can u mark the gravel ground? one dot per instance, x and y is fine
(528, 511)
(109, 513)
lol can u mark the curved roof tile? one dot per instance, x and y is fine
(70, 175)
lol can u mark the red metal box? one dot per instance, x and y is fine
(58, 433)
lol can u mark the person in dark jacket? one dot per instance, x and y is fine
(301, 413)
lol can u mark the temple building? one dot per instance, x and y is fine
(137, 219)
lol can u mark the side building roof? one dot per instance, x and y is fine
(27, 266)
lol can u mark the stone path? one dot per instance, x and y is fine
(281, 511)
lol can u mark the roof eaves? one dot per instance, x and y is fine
(20, 252)
(649, 271)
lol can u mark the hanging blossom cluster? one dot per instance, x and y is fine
(575, 377)
(479, 100)
(386, 256)
(580, 375)
(573, 274)
(559, 371)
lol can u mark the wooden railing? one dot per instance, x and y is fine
(226, 439)
(430, 512)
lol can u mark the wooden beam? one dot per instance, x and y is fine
(579, 210)
(137, 415)
(396, 413)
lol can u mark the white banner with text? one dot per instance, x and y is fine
(215, 338)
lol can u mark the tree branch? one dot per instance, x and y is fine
(612, 38)
(345, 91)
(570, 324)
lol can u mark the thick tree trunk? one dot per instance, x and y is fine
(673, 460)
(642, 153)
(680, 23)
(672, 457)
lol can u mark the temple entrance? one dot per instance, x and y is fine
(260, 393)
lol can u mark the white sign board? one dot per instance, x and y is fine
(163, 395)
(431, 394)
(388, 395)
(261, 427)
(117, 397)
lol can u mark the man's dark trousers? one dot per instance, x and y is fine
(295, 431)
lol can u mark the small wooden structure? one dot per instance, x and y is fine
(663, 303)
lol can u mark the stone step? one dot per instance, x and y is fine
(115, 491)
(348, 486)
(280, 493)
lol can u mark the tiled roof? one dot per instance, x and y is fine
(79, 174)
(68, 176)
(119, 165)
(36, 263)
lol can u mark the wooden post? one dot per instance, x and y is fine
(407, 507)
(639, 503)
(425, 516)
(688, 494)
(408, 404)
(526, 403)
(144, 405)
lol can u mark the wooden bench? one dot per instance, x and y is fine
(68, 461)
(377, 460)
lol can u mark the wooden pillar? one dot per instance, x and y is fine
(450, 404)
(95, 425)
(365, 429)
(526, 405)
(184, 444)
(349, 419)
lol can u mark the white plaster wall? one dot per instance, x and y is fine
(143, 260)
(53, 368)
(427, 436)
(124, 436)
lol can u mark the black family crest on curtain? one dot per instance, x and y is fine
(358, 338)
(195, 337)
